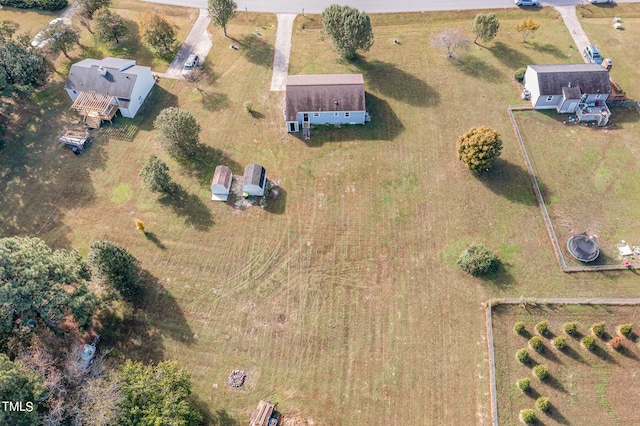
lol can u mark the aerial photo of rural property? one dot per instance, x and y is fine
(264, 212)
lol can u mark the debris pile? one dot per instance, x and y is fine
(236, 378)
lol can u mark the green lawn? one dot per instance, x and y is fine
(341, 300)
(588, 177)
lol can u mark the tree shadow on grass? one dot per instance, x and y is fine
(549, 355)
(556, 415)
(395, 83)
(624, 351)
(500, 278)
(139, 333)
(573, 354)
(212, 101)
(555, 384)
(277, 200)
(532, 393)
(550, 49)
(511, 58)
(510, 181)
(154, 239)
(603, 354)
(258, 52)
(188, 206)
(159, 99)
(222, 418)
(476, 67)
(203, 164)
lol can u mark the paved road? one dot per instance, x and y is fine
(370, 6)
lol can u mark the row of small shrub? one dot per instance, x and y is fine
(571, 328)
(529, 416)
(36, 4)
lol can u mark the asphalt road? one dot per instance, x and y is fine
(369, 6)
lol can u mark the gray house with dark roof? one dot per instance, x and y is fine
(324, 99)
(582, 89)
(118, 80)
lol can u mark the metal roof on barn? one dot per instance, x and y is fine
(590, 78)
(324, 92)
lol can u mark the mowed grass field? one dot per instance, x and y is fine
(341, 300)
(588, 177)
(584, 387)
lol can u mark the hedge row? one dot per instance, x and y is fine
(36, 4)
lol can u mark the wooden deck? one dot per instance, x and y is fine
(95, 108)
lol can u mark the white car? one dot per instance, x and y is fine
(534, 3)
(38, 41)
(192, 63)
(600, 1)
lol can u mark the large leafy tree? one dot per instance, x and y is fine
(479, 147)
(526, 27)
(221, 12)
(88, 7)
(62, 37)
(22, 68)
(19, 384)
(485, 27)
(118, 268)
(157, 32)
(178, 132)
(348, 29)
(109, 26)
(155, 175)
(156, 395)
(40, 286)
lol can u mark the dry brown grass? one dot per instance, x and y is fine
(342, 300)
(585, 387)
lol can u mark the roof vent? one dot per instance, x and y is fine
(569, 84)
(102, 71)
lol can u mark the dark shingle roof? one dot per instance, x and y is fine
(590, 78)
(254, 175)
(324, 92)
(118, 81)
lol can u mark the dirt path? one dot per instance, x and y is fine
(282, 50)
(570, 19)
(197, 42)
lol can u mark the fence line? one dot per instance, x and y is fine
(543, 206)
(534, 300)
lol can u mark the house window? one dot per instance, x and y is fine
(335, 114)
(346, 114)
(549, 98)
(597, 97)
(316, 114)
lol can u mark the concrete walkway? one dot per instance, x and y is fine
(197, 42)
(282, 50)
(570, 19)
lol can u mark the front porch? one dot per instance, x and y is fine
(600, 114)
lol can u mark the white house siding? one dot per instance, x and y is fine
(144, 84)
(531, 84)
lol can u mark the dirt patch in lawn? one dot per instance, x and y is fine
(584, 387)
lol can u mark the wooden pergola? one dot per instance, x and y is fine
(95, 108)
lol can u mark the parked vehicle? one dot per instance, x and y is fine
(533, 3)
(592, 54)
(192, 63)
(38, 41)
(601, 1)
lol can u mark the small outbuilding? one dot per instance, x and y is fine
(583, 247)
(254, 181)
(221, 183)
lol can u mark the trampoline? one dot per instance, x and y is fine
(583, 247)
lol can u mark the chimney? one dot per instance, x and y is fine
(102, 71)
(607, 63)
